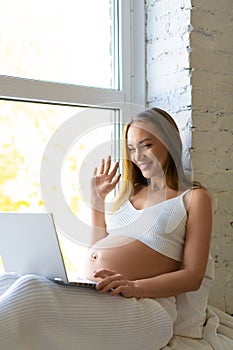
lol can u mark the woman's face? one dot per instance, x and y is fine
(146, 151)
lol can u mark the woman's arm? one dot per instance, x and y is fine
(102, 183)
(196, 253)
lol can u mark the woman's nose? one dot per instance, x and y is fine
(139, 154)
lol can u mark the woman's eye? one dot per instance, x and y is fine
(131, 149)
(147, 146)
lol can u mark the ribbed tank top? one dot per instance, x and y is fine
(160, 226)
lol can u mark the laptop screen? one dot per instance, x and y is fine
(29, 245)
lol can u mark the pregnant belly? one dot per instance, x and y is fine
(128, 256)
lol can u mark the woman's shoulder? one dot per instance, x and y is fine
(197, 197)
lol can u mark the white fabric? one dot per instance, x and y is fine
(36, 314)
(160, 226)
(192, 307)
(217, 335)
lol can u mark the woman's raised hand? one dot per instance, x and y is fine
(104, 180)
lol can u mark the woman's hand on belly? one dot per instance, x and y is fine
(117, 284)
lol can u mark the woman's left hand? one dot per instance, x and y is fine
(114, 283)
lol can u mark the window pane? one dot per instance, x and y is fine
(27, 129)
(68, 42)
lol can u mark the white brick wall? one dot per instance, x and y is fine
(190, 74)
(168, 68)
(212, 100)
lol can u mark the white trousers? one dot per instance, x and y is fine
(37, 314)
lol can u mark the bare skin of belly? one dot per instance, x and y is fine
(129, 257)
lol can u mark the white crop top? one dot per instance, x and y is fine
(161, 226)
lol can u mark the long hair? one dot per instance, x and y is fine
(161, 124)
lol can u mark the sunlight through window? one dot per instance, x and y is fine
(70, 42)
(26, 128)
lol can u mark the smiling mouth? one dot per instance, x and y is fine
(144, 166)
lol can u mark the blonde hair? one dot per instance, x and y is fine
(168, 132)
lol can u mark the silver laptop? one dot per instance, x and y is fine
(29, 245)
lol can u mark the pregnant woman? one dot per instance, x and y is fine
(151, 246)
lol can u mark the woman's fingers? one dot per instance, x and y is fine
(102, 165)
(102, 273)
(104, 180)
(117, 179)
(111, 281)
(105, 168)
(110, 284)
(107, 165)
(116, 285)
(114, 170)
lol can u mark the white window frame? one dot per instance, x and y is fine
(132, 66)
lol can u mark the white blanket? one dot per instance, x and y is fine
(55, 321)
(218, 334)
